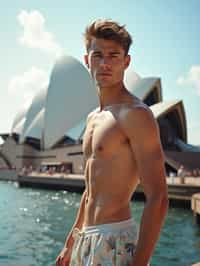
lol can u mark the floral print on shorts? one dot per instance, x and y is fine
(104, 249)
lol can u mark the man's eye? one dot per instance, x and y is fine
(114, 56)
(97, 55)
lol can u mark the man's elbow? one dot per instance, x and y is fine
(163, 205)
(164, 202)
(160, 200)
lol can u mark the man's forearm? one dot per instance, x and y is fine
(69, 240)
(152, 219)
(78, 222)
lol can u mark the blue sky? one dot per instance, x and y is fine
(166, 45)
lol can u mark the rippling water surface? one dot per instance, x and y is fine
(34, 224)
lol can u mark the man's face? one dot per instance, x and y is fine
(107, 62)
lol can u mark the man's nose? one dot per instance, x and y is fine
(105, 61)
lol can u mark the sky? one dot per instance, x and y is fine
(166, 43)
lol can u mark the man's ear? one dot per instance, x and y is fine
(127, 61)
(86, 60)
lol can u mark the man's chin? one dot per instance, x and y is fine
(103, 83)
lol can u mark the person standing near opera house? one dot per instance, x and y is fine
(122, 147)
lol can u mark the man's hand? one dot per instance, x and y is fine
(63, 258)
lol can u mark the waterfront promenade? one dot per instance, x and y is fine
(177, 191)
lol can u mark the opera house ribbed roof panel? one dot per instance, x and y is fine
(19, 120)
(76, 132)
(161, 108)
(131, 78)
(36, 106)
(18, 128)
(71, 96)
(36, 126)
(143, 88)
(172, 111)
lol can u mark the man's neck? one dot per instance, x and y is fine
(111, 95)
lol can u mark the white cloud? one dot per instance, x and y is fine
(192, 78)
(34, 33)
(25, 85)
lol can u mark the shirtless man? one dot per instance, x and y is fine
(122, 147)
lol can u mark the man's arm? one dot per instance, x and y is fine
(78, 221)
(142, 131)
(64, 256)
(80, 214)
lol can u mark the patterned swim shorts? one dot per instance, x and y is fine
(105, 245)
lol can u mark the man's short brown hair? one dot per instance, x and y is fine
(108, 30)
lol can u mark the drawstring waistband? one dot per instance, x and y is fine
(77, 233)
(105, 228)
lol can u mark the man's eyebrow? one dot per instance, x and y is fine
(114, 52)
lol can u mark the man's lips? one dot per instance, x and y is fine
(104, 74)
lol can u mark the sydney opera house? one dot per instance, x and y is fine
(49, 131)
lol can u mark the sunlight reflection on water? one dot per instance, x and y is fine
(35, 224)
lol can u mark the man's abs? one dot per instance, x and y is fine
(109, 189)
(99, 211)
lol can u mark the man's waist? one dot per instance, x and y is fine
(110, 227)
(106, 213)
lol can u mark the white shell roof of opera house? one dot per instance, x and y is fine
(61, 109)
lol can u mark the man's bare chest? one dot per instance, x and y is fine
(103, 135)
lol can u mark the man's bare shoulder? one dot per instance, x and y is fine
(136, 111)
(138, 119)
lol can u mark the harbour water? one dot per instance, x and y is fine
(34, 224)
